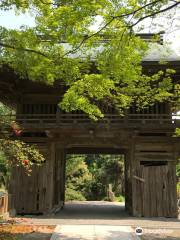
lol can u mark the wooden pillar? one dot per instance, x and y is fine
(128, 182)
(59, 177)
(50, 177)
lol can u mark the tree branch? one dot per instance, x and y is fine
(49, 3)
(156, 13)
(122, 16)
(176, 3)
(23, 49)
(86, 38)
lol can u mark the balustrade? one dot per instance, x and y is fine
(63, 119)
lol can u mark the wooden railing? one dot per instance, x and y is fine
(65, 119)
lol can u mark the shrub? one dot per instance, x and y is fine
(72, 194)
(120, 199)
(178, 189)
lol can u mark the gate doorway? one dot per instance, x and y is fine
(104, 169)
(94, 177)
(94, 183)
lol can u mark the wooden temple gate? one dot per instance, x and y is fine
(145, 138)
(150, 160)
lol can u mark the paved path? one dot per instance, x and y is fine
(101, 213)
(92, 232)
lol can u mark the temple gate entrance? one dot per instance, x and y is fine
(144, 137)
(150, 182)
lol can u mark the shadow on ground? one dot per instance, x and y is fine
(92, 210)
(101, 213)
(111, 235)
(25, 236)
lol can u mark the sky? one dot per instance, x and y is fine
(10, 20)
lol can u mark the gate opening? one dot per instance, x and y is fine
(95, 177)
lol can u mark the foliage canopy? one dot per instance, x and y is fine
(102, 65)
(13, 151)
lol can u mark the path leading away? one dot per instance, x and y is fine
(100, 213)
(92, 232)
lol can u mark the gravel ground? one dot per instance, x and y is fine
(100, 213)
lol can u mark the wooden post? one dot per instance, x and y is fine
(59, 178)
(50, 177)
(128, 181)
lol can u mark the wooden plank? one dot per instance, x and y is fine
(154, 147)
(160, 190)
(172, 191)
(155, 160)
(30, 191)
(139, 178)
(158, 181)
(154, 154)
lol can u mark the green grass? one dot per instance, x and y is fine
(120, 198)
(178, 189)
(2, 189)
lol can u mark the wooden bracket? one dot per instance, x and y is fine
(138, 178)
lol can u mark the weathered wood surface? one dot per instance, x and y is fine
(154, 180)
(52, 119)
(31, 194)
(150, 179)
(59, 178)
(128, 182)
(155, 196)
(150, 153)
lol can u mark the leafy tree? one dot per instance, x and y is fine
(177, 134)
(13, 151)
(4, 173)
(77, 177)
(105, 170)
(88, 176)
(96, 66)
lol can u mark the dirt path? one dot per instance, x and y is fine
(93, 214)
(101, 213)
